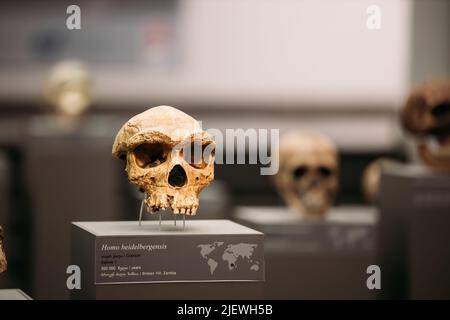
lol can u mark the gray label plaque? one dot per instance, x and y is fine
(182, 258)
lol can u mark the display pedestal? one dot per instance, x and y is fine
(209, 259)
(321, 259)
(71, 176)
(13, 294)
(415, 233)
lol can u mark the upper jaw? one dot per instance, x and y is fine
(436, 147)
(436, 156)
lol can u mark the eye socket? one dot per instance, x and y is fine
(149, 155)
(441, 110)
(198, 155)
(325, 172)
(299, 172)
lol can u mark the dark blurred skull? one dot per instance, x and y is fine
(426, 115)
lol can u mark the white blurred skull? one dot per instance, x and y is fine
(68, 88)
(308, 175)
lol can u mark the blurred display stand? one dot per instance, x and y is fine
(13, 294)
(323, 259)
(415, 233)
(71, 176)
(14, 219)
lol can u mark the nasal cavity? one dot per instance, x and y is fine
(177, 176)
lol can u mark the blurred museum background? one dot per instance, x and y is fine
(307, 64)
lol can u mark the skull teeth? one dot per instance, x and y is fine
(190, 210)
(178, 207)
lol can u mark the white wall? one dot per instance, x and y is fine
(255, 53)
(310, 51)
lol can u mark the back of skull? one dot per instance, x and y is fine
(168, 156)
(308, 175)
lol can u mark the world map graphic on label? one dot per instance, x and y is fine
(234, 255)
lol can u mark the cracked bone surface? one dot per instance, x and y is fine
(3, 263)
(168, 156)
(426, 116)
(308, 174)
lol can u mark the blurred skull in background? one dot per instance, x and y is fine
(426, 115)
(371, 178)
(308, 174)
(3, 263)
(68, 89)
(168, 156)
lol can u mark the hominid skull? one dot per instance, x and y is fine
(68, 89)
(3, 263)
(308, 174)
(426, 115)
(168, 156)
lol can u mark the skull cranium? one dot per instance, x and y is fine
(67, 89)
(426, 115)
(168, 156)
(3, 263)
(308, 175)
